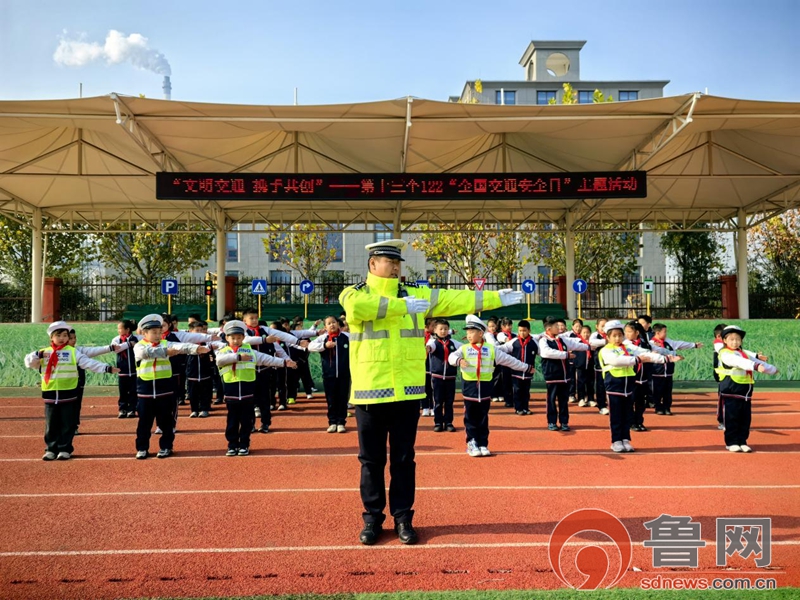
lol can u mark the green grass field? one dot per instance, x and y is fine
(766, 336)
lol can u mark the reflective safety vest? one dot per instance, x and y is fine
(736, 374)
(614, 371)
(150, 369)
(483, 355)
(65, 373)
(245, 370)
(387, 345)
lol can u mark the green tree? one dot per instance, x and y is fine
(151, 254)
(570, 97)
(697, 257)
(471, 251)
(304, 248)
(64, 254)
(775, 277)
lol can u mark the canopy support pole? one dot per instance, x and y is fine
(222, 247)
(742, 276)
(569, 242)
(36, 266)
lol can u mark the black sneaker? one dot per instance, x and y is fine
(450, 427)
(552, 427)
(263, 429)
(231, 452)
(565, 428)
(370, 534)
(509, 405)
(668, 412)
(122, 414)
(406, 533)
(660, 412)
(643, 428)
(164, 453)
(438, 428)
(520, 412)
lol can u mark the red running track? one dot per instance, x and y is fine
(286, 518)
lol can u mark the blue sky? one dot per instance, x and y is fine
(349, 51)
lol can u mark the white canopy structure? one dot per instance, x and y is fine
(91, 162)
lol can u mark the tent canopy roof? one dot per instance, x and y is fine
(92, 161)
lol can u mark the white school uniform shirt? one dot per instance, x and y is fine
(572, 345)
(318, 345)
(736, 360)
(500, 358)
(32, 361)
(634, 350)
(262, 360)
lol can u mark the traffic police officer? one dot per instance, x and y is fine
(387, 367)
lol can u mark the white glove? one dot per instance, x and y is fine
(509, 297)
(416, 305)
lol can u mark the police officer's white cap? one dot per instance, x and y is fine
(152, 321)
(56, 326)
(733, 329)
(389, 248)
(473, 322)
(615, 324)
(234, 327)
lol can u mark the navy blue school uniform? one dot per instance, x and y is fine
(199, 381)
(266, 378)
(282, 377)
(620, 385)
(126, 363)
(524, 351)
(427, 403)
(178, 363)
(597, 341)
(554, 353)
(643, 383)
(443, 378)
(335, 375)
(300, 356)
(584, 373)
(506, 379)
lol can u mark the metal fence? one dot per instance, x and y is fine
(15, 309)
(774, 305)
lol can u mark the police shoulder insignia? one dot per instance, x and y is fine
(411, 284)
(359, 285)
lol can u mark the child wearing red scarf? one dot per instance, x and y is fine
(524, 348)
(334, 349)
(736, 367)
(58, 364)
(596, 341)
(443, 375)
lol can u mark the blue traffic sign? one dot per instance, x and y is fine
(306, 286)
(579, 285)
(423, 282)
(259, 287)
(169, 287)
(529, 286)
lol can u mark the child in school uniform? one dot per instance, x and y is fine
(126, 362)
(523, 348)
(597, 340)
(91, 352)
(237, 364)
(619, 363)
(663, 376)
(584, 370)
(154, 384)
(577, 324)
(718, 345)
(199, 375)
(303, 368)
(443, 375)
(58, 363)
(497, 377)
(334, 349)
(736, 367)
(504, 336)
(427, 403)
(477, 360)
(555, 349)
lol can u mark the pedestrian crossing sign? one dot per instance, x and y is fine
(259, 287)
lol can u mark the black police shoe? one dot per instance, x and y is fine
(370, 534)
(406, 533)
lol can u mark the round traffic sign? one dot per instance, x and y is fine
(579, 286)
(528, 286)
(306, 286)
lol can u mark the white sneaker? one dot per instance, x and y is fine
(472, 448)
(746, 448)
(618, 447)
(331, 429)
(721, 427)
(603, 411)
(582, 403)
(204, 413)
(64, 456)
(572, 399)
(627, 445)
(495, 399)
(192, 415)
(501, 399)
(141, 454)
(484, 451)
(49, 455)
(424, 412)
(258, 413)
(734, 448)
(281, 407)
(313, 389)
(309, 396)
(158, 430)
(340, 429)
(593, 404)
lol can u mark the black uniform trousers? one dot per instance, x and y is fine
(522, 393)
(444, 396)
(162, 411)
(584, 384)
(239, 424)
(265, 395)
(600, 389)
(620, 408)
(720, 409)
(59, 425)
(497, 380)
(218, 385)
(428, 402)
(573, 388)
(281, 384)
(558, 403)
(292, 383)
(508, 386)
(662, 393)
(397, 421)
(79, 402)
(337, 392)
(738, 414)
(639, 402)
(200, 394)
(127, 394)
(476, 421)
(304, 372)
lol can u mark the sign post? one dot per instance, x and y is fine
(209, 290)
(579, 286)
(259, 288)
(306, 288)
(529, 286)
(169, 287)
(648, 292)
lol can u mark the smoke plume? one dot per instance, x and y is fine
(117, 48)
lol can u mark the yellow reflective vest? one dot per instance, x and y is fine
(387, 345)
(65, 373)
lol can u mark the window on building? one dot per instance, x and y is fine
(624, 96)
(232, 246)
(545, 97)
(632, 288)
(585, 96)
(507, 97)
(280, 277)
(336, 241)
(383, 232)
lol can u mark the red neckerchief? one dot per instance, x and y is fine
(603, 335)
(427, 336)
(522, 344)
(478, 368)
(156, 345)
(743, 354)
(445, 342)
(332, 338)
(123, 339)
(235, 350)
(636, 342)
(589, 351)
(557, 341)
(52, 361)
(164, 334)
(658, 342)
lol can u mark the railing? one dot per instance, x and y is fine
(15, 309)
(774, 305)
